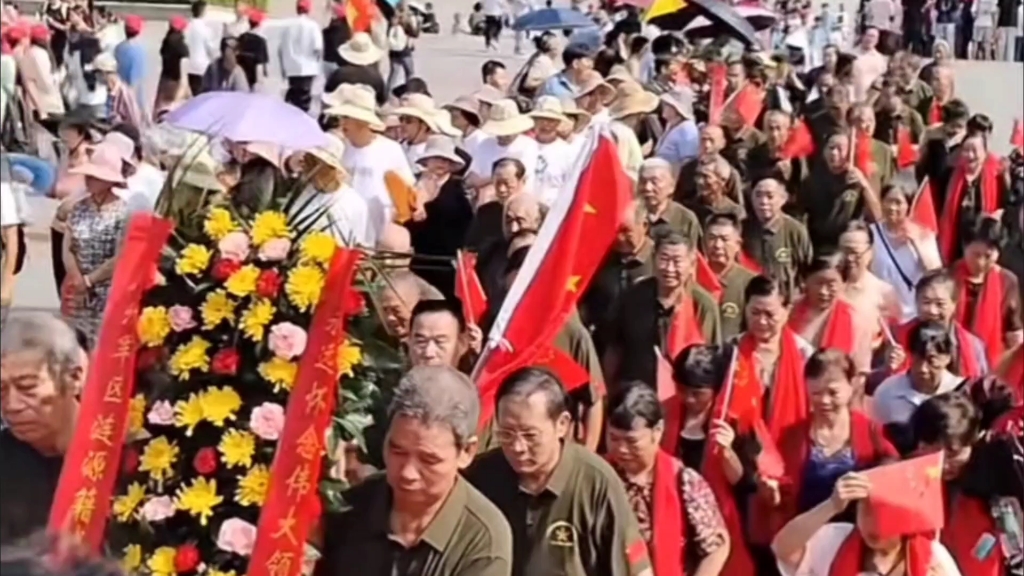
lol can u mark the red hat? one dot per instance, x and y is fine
(39, 33)
(256, 16)
(132, 24)
(340, 10)
(16, 33)
(303, 6)
(178, 23)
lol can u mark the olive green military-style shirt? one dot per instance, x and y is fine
(762, 163)
(918, 97)
(732, 302)
(468, 536)
(830, 201)
(737, 148)
(679, 219)
(581, 524)
(686, 183)
(724, 205)
(884, 165)
(782, 248)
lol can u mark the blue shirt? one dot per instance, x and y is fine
(559, 86)
(680, 144)
(131, 65)
(820, 474)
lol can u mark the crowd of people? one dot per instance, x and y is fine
(837, 245)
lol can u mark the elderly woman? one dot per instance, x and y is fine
(942, 54)
(676, 509)
(680, 142)
(822, 316)
(122, 104)
(95, 228)
(341, 210)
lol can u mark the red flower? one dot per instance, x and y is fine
(225, 362)
(149, 358)
(186, 558)
(131, 461)
(205, 461)
(355, 303)
(223, 269)
(268, 284)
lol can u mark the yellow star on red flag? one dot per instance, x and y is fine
(573, 284)
(589, 209)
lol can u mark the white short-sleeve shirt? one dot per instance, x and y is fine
(367, 167)
(488, 151)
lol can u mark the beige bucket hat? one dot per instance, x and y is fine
(438, 146)
(549, 108)
(489, 95)
(681, 100)
(357, 102)
(593, 82)
(505, 119)
(631, 99)
(330, 153)
(619, 73)
(444, 124)
(466, 105)
(360, 50)
(421, 107)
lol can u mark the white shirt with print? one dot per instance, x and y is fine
(554, 162)
(523, 148)
(367, 167)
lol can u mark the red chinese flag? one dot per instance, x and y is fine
(468, 288)
(906, 497)
(568, 370)
(576, 234)
(934, 113)
(769, 460)
(665, 382)
(748, 262)
(1017, 136)
(906, 151)
(799, 143)
(749, 103)
(360, 14)
(863, 158)
(716, 97)
(706, 277)
(922, 212)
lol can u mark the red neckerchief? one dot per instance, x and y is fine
(935, 112)
(949, 223)
(863, 154)
(706, 278)
(748, 262)
(967, 362)
(668, 531)
(906, 154)
(850, 556)
(789, 401)
(838, 331)
(968, 521)
(987, 320)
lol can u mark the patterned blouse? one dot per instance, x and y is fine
(96, 233)
(703, 522)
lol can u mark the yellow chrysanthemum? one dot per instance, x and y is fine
(199, 499)
(304, 285)
(154, 325)
(219, 223)
(269, 225)
(193, 259)
(255, 319)
(158, 457)
(252, 487)
(317, 248)
(136, 414)
(237, 447)
(161, 563)
(132, 558)
(217, 307)
(212, 572)
(220, 404)
(188, 413)
(349, 356)
(279, 372)
(189, 357)
(243, 281)
(124, 506)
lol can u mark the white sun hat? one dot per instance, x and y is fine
(360, 50)
(505, 119)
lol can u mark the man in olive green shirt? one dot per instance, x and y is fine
(421, 518)
(722, 247)
(882, 159)
(776, 241)
(567, 508)
(664, 215)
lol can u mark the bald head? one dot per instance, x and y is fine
(522, 212)
(396, 240)
(401, 292)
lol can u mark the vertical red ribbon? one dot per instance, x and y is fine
(292, 498)
(82, 502)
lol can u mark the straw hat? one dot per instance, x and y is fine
(360, 50)
(549, 108)
(444, 123)
(104, 164)
(681, 100)
(631, 99)
(104, 62)
(505, 119)
(441, 147)
(358, 103)
(592, 82)
(574, 112)
(619, 73)
(488, 94)
(330, 153)
(202, 172)
(466, 105)
(421, 107)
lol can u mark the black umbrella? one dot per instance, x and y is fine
(722, 15)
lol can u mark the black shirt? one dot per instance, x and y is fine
(335, 34)
(441, 233)
(252, 53)
(27, 490)
(347, 73)
(172, 51)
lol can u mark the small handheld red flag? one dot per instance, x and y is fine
(1017, 136)
(716, 98)
(799, 143)
(922, 212)
(748, 103)
(571, 374)
(906, 151)
(468, 287)
(769, 460)
(706, 277)
(906, 497)
(863, 158)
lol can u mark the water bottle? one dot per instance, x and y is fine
(1006, 512)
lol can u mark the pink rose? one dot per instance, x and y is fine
(161, 414)
(236, 535)
(267, 421)
(275, 250)
(158, 508)
(181, 318)
(234, 246)
(287, 340)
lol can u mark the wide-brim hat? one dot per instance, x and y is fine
(574, 112)
(357, 103)
(201, 173)
(466, 105)
(104, 164)
(441, 147)
(489, 95)
(619, 73)
(330, 153)
(360, 50)
(593, 82)
(444, 123)
(681, 100)
(632, 99)
(549, 108)
(505, 119)
(421, 107)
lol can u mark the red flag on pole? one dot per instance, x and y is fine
(748, 103)
(716, 98)
(468, 288)
(863, 158)
(906, 151)
(360, 14)
(922, 212)
(906, 497)
(567, 369)
(706, 277)
(799, 143)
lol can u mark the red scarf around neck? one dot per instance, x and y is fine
(668, 531)
(987, 320)
(968, 363)
(788, 398)
(967, 523)
(850, 557)
(949, 223)
(838, 331)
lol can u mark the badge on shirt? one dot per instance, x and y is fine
(730, 310)
(561, 534)
(782, 255)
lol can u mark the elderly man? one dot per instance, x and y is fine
(522, 212)
(711, 178)
(488, 233)
(440, 336)
(402, 292)
(421, 517)
(712, 143)
(775, 240)
(42, 368)
(567, 508)
(396, 243)
(766, 159)
(664, 215)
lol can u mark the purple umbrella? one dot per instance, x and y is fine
(248, 117)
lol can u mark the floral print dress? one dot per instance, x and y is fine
(96, 233)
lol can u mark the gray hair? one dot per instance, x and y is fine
(438, 395)
(654, 164)
(43, 334)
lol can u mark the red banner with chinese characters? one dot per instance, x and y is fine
(292, 497)
(82, 502)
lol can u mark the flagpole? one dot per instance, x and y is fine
(730, 377)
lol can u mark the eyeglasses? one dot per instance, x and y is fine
(509, 437)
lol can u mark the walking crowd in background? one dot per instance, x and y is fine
(801, 354)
